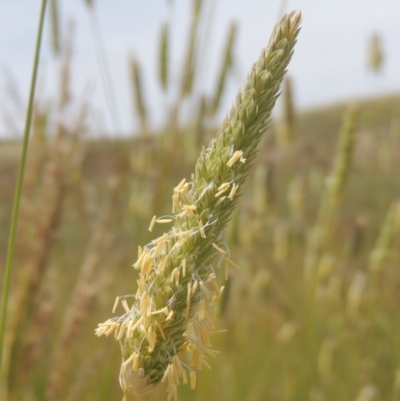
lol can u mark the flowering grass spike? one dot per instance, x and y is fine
(166, 328)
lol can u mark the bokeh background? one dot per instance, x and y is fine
(128, 94)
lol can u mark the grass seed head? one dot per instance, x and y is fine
(179, 276)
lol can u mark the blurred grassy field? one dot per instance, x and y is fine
(335, 337)
(312, 313)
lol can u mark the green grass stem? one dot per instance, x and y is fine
(20, 179)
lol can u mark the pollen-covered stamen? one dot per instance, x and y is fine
(159, 239)
(212, 352)
(182, 233)
(226, 269)
(197, 358)
(163, 310)
(221, 199)
(106, 328)
(220, 250)
(172, 375)
(202, 309)
(233, 191)
(193, 377)
(166, 373)
(201, 228)
(133, 326)
(122, 329)
(160, 242)
(181, 242)
(153, 221)
(187, 210)
(232, 263)
(111, 329)
(171, 387)
(179, 187)
(164, 221)
(141, 282)
(237, 155)
(151, 338)
(205, 290)
(184, 267)
(130, 359)
(222, 188)
(163, 263)
(175, 203)
(147, 264)
(125, 305)
(135, 365)
(189, 294)
(175, 276)
(115, 305)
(170, 314)
(179, 368)
(161, 330)
(144, 254)
(145, 303)
(212, 279)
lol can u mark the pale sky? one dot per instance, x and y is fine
(329, 64)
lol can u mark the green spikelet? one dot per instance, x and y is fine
(227, 62)
(172, 312)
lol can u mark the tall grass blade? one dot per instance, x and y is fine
(20, 179)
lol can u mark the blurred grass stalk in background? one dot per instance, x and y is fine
(320, 235)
